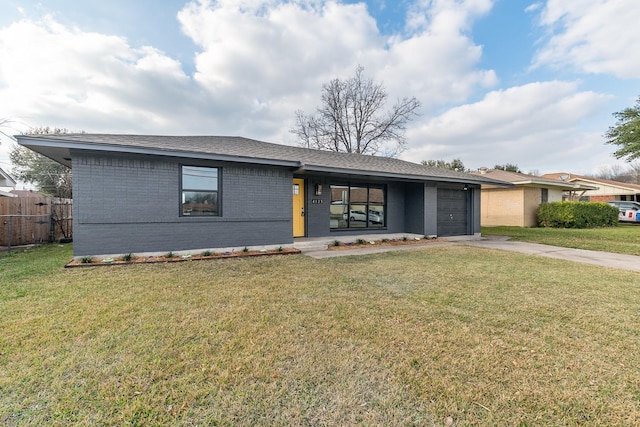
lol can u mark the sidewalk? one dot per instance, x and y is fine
(602, 259)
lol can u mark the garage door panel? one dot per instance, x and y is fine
(452, 212)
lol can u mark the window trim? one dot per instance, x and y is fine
(182, 190)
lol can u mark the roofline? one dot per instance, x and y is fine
(422, 178)
(539, 181)
(110, 148)
(59, 142)
(8, 177)
(558, 184)
(608, 182)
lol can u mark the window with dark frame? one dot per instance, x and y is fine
(358, 206)
(544, 195)
(199, 191)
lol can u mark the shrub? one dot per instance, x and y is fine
(86, 260)
(206, 253)
(169, 254)
(127, 257)
(577, 215)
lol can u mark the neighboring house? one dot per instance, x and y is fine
(606, 191)
(518, 205)
(6, 184)
(135, 193)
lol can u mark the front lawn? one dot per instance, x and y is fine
(623, 239)
(441, 336)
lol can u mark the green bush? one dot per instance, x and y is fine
(577, 215)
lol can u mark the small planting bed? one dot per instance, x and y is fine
(361, 243)
(171, 257)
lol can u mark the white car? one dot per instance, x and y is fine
(629, 211)
(356, 215)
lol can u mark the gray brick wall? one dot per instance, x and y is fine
(317, 214)
(415, 205)
(396, 207)
(132, 204)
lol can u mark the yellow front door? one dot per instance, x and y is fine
(298, 208)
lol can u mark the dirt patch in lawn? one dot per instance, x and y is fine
(169, 257)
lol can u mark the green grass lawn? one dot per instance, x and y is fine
(441, 336)
(623, 239)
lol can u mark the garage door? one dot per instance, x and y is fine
(452, 212)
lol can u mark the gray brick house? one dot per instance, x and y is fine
(138, 193)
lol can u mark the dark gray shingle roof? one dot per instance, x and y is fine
(245, 150)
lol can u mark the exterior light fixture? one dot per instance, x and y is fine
(318, 189)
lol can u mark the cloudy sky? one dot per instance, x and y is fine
(528, 82)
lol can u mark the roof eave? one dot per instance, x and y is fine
(619, 185)
(63, 149)
(4, 176)
(561, 185)
(403, 177)
(60, 150)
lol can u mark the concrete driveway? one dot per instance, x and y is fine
(602, 259)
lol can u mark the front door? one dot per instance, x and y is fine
(298, 207)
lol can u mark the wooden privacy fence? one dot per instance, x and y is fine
(28, 220)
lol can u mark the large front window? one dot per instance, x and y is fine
(199, 191)
(358, 206)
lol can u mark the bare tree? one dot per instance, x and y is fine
(634, 172)
(351, 119)
(612, 172)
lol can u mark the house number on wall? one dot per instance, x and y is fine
(316, 201)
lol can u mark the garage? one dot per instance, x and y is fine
(453, 212)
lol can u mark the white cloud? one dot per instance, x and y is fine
(536, 126)
(259, 64)
(278, 55)
(258, 61)
(533, 7)
(58, 76)
(593, 36)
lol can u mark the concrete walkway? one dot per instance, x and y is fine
(602, 259)
(317, 249)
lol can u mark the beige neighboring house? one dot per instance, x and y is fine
(6, 184)
(606, 191)
(518, 205)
